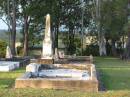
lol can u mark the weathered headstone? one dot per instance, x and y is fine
(33, 67)
(56, 54)
(61, 54)
(8, 52)
(47, 52)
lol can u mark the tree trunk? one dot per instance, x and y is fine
(26, 25)
(102, 42)
(53, 37)
(114, 52)
(127, 52)
(13, 34)
(102, 46)
(57, 33)
(71, 47)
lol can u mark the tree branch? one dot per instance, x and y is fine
(6, 23)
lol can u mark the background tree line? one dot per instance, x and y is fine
(105, 19)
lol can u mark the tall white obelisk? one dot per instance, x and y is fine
(47, 51)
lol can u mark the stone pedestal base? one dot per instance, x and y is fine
(83, 85)
(46, 61)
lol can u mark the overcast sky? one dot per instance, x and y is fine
(3, 25)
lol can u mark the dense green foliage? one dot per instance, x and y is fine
(3, 46)
(73, 17)
(114, 18)
(92, 50)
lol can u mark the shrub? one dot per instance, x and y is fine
(20, 50)
(91, 49)
(3, 45)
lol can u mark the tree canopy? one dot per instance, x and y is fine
(104, 19)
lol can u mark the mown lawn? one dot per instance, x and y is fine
(7, 79)
(114, 73)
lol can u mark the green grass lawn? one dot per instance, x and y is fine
(114, 73)
(7, 79)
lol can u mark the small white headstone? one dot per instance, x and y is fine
(56, 54)
(33, 67)
(8, 52)
(61, 54)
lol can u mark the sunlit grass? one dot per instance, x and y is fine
(110, 62)
(59, 93)
(7, 79)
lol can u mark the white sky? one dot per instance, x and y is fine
(3, 25)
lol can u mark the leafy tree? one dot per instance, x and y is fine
(114, 16)
(9, 10)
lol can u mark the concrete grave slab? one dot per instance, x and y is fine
(8, 65)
